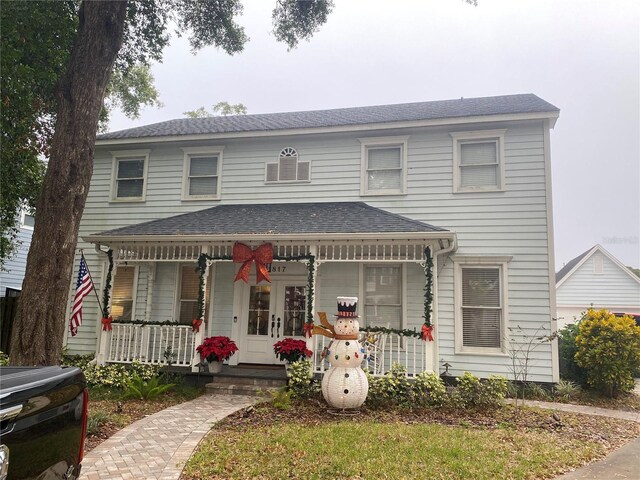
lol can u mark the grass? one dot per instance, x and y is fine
(378, 450)
(305, 442)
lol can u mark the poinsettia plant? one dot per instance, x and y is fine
(291, 350)
(217, 349)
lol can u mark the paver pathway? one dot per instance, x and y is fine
(583, 409)
(157, 447)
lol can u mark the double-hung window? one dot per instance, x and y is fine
(188, 295)
(383, 296)
(201, 173)
(478, 161)
(129, 175)
(384, 165)
(122, 294)
(481, 304)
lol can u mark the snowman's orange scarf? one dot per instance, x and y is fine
(328, 331)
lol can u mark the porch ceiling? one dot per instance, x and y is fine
(276, 221)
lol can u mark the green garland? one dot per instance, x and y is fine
(404, 333)
(107, 286)
(310, 276)
(428, 293)
(150, 322)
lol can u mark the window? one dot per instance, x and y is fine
(122, 294)
(478, 161)
(201, 175)
(384, 162)
(288, 169)
(27, 220)
(188, 299)
(129, 175)
(383, 296)
(481, 306)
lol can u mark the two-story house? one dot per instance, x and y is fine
(374, 202)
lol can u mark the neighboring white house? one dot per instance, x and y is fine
(15, 267)
(363, 191)
(595, 278)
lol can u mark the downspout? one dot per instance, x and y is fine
(453, 245)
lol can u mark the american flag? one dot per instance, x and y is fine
(83, 288)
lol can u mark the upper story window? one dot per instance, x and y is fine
(481, 304)
(202, 173)
(478, 161)
(129, 175)
(289, 168)
(384, 165)
(27, 220)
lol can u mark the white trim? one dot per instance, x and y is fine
(377, 142)
(367, 127)
(116, 156)
(553, 307)
(195, 152)
(601, 249)
(478, 136)
(501, 263)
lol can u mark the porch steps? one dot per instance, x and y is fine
(246, 382)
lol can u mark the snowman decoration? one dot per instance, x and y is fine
(344, 384)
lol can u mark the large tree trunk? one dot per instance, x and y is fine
(38, 331)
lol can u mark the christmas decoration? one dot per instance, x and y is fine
(345, 384)
(217, 349)
(106, 324)
(291, 350)
(427, 328)
(196, 324)
(107, 285)
(261, 256)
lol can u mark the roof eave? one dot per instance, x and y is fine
(307, 237)
(552, 116)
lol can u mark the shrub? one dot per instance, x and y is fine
(567, 348)
(301, 382)
(95, 420)
(494, 391)
(467, 392)
(609, 350)
(116, 375)
(471, 392)
(429, 390)
(281, 398)
(566, 390)
(535, 391)
(137, 387)
(393, 388)
(4, 359)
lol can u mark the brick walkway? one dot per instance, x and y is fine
(157, 447)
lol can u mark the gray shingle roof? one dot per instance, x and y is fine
(279, 219)
(441, 109)
(570, 264)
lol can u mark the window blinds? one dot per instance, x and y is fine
(478, 164)
(481, 307)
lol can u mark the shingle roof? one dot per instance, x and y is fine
(569, 266)
(441, 109)
(279, 219)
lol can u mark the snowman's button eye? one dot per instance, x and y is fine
(346, 375)
(346, 343)
(346, 391)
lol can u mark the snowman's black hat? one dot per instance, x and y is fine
(347, 307)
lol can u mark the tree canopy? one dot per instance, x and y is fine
(220, 108)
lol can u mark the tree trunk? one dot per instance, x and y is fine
(38, 331)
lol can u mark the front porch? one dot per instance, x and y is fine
(175, 281)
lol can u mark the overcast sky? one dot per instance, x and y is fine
(582, 56)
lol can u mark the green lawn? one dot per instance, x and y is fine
(378, 450)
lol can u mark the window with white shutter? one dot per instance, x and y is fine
(384, 161)
(478, 161)
(122, 294)
(481, 306)
(129, 175)
(288, 169)
(201, 177)
(383, 296)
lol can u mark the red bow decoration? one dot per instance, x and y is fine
(195, 325)
(262, 255)
(427, 333)
(308, 329)
(106, 324)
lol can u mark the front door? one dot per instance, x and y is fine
(272, 312)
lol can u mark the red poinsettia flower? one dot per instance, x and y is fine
(217, 349)
(291, 350)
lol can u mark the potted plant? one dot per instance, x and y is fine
(216, 350)
(291, 350)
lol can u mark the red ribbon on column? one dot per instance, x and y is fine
(261, 256)
(195, 325)
(106, 324)
(427, 333)
(308, 329)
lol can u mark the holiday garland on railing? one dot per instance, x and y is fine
(427, 328)
(165, 323)
(107, 285)
(403, 333)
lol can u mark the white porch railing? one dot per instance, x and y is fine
(155, 344)
(384, 350)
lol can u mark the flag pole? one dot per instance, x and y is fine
(92, 282)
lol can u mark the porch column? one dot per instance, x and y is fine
(105, 337)
(199, 335)
(313, 250)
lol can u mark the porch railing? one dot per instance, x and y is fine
(382, 351)
(154, 344)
